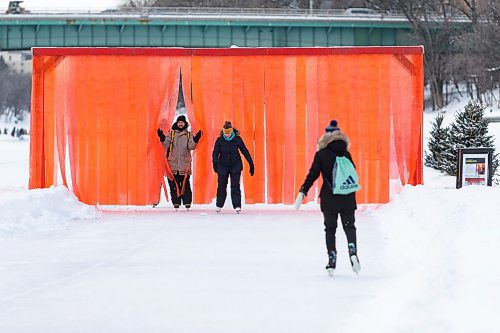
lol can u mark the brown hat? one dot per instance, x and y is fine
(227, 128)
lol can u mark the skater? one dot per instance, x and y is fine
(333, 146)
(227, 163)
(178, 144)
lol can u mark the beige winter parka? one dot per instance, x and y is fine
(178, 145)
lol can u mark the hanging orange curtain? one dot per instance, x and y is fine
(243, 115)
(210, 111)
(355, 101)
(289, 135)
(274, 77)
(254, 126)
(105, 109)
(115, 160)
(203, 177)
(301, 126)
(60, 96)
(418, 105)
(406, 75)
(37, 158)
(312, 104)
(49, 121)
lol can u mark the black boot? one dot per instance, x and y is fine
(353, 256)
(332, 262)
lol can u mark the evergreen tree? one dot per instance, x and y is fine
(469, 130)
(439, 144)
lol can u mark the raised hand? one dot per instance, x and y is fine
(197, 137)
(161, 135)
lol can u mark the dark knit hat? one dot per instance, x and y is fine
(227, 128)
(332, 127)
(181, 118)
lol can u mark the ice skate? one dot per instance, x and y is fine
(353, 256)
(332, 262)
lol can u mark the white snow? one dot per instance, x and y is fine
(428, 263)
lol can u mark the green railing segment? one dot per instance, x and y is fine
(206, 28)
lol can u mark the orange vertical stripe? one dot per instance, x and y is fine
(274, 119)
(203, 175)
(289, 141)
(60, 114)
(36, 124)
(312, 118)
(300, 123)
(49, 123)
(256, 89)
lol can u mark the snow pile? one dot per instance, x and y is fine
(440, 254)
(38, 210)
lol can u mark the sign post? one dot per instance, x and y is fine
(474, 166)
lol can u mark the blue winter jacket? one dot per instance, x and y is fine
(226, 157)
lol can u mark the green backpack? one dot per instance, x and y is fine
(344, 177)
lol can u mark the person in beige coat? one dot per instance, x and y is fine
(178, 144)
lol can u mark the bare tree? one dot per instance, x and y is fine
(137, 3)
(435, 26)
(477, 61)
(15, 91)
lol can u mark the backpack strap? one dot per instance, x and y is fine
(172, 135)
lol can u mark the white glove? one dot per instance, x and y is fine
(299, 199)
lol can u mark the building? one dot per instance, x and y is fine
(19, 61)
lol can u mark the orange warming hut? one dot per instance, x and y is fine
(98, 110)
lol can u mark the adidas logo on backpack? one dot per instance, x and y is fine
(344, 177)
(349, 184)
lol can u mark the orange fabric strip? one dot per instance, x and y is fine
(300, 124)
(289, 138)
(274, 120)
(256, 89)
(60, 113)
(202, 166)
(36, 125)
(312, 119)
(49, 120)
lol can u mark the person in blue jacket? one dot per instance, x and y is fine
(227, 164)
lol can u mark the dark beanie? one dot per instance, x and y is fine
(227, 125)
(181, 118)
(332, 127)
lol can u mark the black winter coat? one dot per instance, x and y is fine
(323, 163)
(226, 157)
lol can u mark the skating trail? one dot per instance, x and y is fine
(198, 271)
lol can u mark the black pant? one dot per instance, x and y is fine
(235, 188)
(347, 217)
(185, 198)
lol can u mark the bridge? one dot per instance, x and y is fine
(202, 27)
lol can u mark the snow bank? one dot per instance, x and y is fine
(440, 257)
(38, 210)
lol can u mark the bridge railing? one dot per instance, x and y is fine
(360, 14)
(212, 11)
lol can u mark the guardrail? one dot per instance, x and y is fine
(224, 13)
(211, 11)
